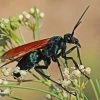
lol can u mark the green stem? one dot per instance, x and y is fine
(98, 85)
(22, 37)
(13, 97)
(31, 88)
(94, 89)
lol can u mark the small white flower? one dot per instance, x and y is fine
(65, 94)
(48, 96)
(27, 15)
(88, 70)
(21, 17)
(9, 69)
(65, 83)
(81, 67)
(49, 83)
(2, 25)
(77, 73)
(58, 81)
(75, 82)
(66, 72)
(59, 90)
(6, 71)
(32, 10)
(37, 10)
(3, 69)
(73, 68)
(26, 23)
(17, 69)
(24, 13)
(5, 82)
(7, 91)
(41, 14)
(23, 72)
(1, 81)
(6, 21)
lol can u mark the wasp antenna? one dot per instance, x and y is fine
(79, 21)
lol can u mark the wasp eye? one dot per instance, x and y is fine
(76, 40)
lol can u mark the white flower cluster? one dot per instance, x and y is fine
(5, 92)
(6, 71)
(32, 13)
(12, 23)
(30, 18)
(84, 69)
(74, 72)
(9, 71)
(3, 22)
(3, 82)
(26, 18)
(36, 10)
(71, 76)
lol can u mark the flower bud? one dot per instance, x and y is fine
(7, 91)
(65, 94)
(37, 10)
(65, 83)
(77, 73)
(21, 17)
(41, 14)
(66, 72)
(2, 25)
(27, 15)
(88, 70)
(17, 69)
(48, 96)
(32, 10)
(1, 81)
(5, 82)
(6, 21)
(81, 67)
(23, 72)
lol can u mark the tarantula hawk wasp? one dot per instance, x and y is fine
(46, 49)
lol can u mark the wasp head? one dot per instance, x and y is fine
(68, 38)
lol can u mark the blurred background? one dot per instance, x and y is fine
(60, 18)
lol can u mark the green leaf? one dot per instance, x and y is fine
(94, 89)
(85, 97)
(15, 98)
(98, 86)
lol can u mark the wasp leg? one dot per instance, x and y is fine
(41, 67)
(33, 75)
(38, 71)
(76, 65)
(60, 69)
(56, 60)
(70, 50)
(78, 53)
